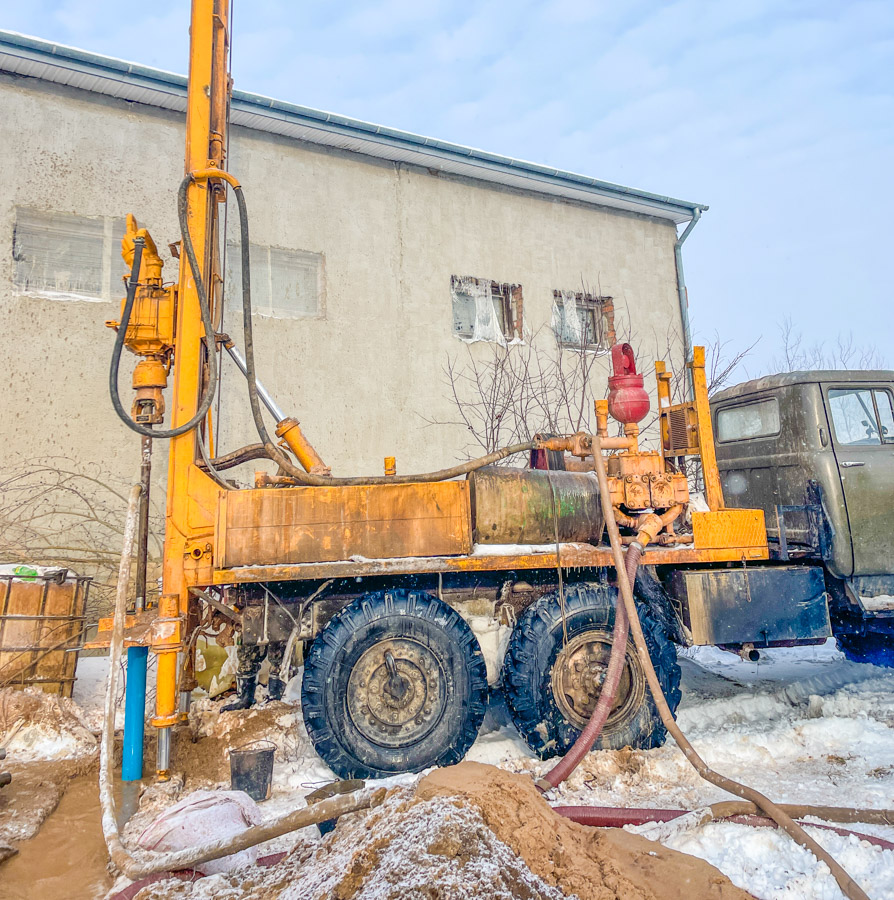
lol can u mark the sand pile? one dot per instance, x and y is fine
(594, 864)
(39, 726)
(470, 831)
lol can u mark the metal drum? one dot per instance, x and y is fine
(523, 506)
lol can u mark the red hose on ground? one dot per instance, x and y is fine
(593, 729)
(618, 816)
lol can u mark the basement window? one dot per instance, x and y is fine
(285, 284)
(485, 310)
(582, 321)
(59, 256)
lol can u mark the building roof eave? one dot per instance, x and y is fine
(32, 57)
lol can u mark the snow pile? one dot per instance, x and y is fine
(769, 864)
(39, 726)
(803, 726)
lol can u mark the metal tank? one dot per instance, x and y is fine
(525, 506)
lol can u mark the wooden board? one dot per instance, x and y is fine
(283, 526)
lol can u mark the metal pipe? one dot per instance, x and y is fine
(143, 525)
(263, 393)
(683, 295)
(163, 753)
(134, 714)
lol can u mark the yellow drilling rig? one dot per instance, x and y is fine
(378, 577)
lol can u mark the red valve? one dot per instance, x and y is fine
(628, 401)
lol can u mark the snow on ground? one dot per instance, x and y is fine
(38, 726)
(802, 725)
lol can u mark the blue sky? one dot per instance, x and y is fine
(779, 115)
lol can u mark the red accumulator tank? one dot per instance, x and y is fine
(628, 401)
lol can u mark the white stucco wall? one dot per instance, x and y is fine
(364, 377)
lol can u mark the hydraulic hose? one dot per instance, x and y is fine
(148, 862)
(593, 729)
(207, 323)
(848, 886)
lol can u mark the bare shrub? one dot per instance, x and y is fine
(59, 512)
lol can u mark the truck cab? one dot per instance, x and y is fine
(815, 451)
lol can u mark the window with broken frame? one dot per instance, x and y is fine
(583, 321)
(60, 256)
(485, 310)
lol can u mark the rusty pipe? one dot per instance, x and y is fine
(650, 525)
(618, 817)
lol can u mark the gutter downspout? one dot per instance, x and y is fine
(684, 296)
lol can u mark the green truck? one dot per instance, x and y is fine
(815, 451)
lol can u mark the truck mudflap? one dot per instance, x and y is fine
(757, 606)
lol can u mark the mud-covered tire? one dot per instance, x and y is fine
(872, 647)
(534, 647)
(357, 723)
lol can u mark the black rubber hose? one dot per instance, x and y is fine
(237, 457)
(204, 307)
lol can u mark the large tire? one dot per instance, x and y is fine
(544, 699)
(394, 683)
(871, 647)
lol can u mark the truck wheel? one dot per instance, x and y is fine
(872, 647)
(395, 682)
(552, 684)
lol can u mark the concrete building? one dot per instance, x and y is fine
(377, 257)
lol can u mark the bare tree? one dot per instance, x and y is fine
(515, 392)
(797, 355)
(59, 512)
(721, 362)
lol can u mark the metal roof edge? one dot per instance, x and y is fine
(805, 376)
(158, 81)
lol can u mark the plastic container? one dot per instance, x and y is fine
(251, 769)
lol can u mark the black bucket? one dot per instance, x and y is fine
(251, 769)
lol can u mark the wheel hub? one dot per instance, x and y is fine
(395, 692)
(579, 673)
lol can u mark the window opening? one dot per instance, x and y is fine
(583, 321)
(59, 256)
(485, 310)
(285, 284)
(861, 416)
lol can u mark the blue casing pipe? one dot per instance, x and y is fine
(134, 714)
